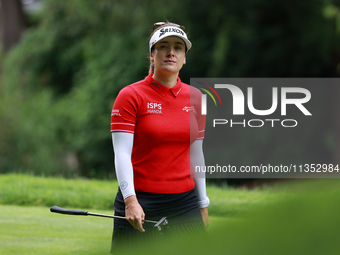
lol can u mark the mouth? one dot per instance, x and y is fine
(170, 61)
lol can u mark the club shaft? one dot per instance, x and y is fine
(58, 209)
(116, 217)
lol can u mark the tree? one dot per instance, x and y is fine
(62, 78)
(12, 23)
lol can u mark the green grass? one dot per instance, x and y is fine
(292, 218)
(17, 189)
(35, 230)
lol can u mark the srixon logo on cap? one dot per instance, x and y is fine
(171, 29)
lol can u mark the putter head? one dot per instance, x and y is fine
(162, 222)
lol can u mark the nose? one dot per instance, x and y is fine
(171, 51)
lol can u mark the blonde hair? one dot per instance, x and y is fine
(151, 67)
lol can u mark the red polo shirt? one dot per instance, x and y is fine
(164, 123)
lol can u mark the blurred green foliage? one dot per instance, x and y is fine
(58, 85)
(306, 224)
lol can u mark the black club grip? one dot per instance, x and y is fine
(57, 209)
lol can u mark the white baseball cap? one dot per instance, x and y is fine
(169, 29)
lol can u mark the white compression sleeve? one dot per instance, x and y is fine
(122, 146)
(197, 159)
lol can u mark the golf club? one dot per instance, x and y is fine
(56, 209)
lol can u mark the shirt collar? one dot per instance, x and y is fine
(161, 89)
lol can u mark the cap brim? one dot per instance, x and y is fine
(171, 31)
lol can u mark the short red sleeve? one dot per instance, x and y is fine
(124, 111)
(195, 101)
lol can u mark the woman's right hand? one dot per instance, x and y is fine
(134, 213)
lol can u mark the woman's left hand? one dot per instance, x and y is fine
(204, 212)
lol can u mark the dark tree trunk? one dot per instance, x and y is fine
(12, 23)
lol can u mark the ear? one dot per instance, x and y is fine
(152, 59)
(185, 61)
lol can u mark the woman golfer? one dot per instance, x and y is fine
(157, 131)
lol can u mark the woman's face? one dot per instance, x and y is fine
(169, 55)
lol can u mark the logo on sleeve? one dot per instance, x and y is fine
(115, 113)
(154, 108)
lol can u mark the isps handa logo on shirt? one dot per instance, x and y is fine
(154, 108)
